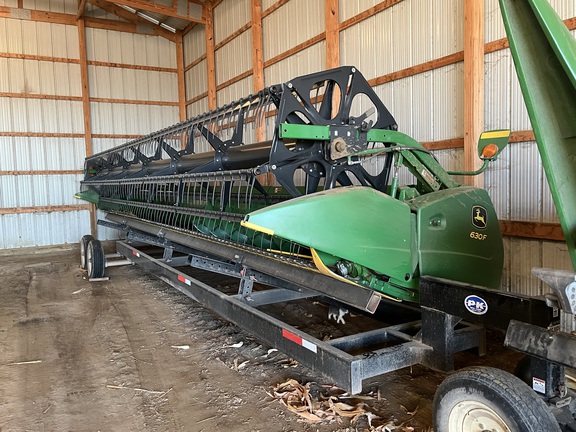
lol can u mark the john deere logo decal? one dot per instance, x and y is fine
(479, 217)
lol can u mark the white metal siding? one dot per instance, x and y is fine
(43, 229)
(196, 80)
(229, 16)
(294, 23)
(234, 58)
(35, 154)
(131, 119)
(128, 48)
(194, 44)
(235, 91)
(312, 59)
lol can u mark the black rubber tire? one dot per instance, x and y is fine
(471, 399)
(83, 249)
(95, 260)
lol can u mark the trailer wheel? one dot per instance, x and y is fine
(95, 261)
(487, 399)
(83, 249)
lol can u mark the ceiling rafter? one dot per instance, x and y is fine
(81, 7)
(131, 17)
(143, 5)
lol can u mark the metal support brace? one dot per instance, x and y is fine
(246, 284)
(438, 332)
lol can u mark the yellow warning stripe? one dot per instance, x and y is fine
(495, 134)
(255, 227)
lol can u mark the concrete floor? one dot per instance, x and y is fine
(110, 356)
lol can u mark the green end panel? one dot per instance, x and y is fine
(90, 196)
(459, 236)
(544, 54)
(499, 138)
(355, 223)
(307, 132)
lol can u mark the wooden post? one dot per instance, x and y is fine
(473, 86)
(257, 58)
(210, 56)
(86, 109)
(332, 33)
(181, 79)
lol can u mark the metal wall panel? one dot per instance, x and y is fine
(61, 6)
(234, 58)
(197, 108)
(196, 80)
(41, 153)
(43, 229)
(38, 190)
(312, 59)
(129, 48)
(293, 23)
(133, 84)
(37, 38)
(349, 8)
(131, 119)
(42, 116)
(229, 16)
(39, 77)
(235, 91)
(194, 44)
(9, 3)
(102, 144)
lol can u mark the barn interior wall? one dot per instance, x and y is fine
(132, 90)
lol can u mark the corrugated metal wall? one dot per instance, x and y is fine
(134, 91)
(30, 116)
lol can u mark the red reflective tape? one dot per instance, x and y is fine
(291, 336)
(135, 253)
(184, 280)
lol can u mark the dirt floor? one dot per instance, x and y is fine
(134, 354)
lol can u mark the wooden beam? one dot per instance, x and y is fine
(233, 36)
(332, 34)
(533, 230)
(44, 209)
(81, 7)
(131, 66)
(40, 96)
(237, 78)
(274, 7)
(368, 13)
(134, 102)
(132, 18)
(195, 62)
(473, 87)
(123, 26)
(86, 108)
(208, 12)
(197, 98)
(144, 5)
(306, 44)
(257, 58)
(36, 15)
(418, 69)
(181, 78)
(41, 172)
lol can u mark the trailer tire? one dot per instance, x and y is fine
(84, 250)
(483, 398)
(95, 261)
